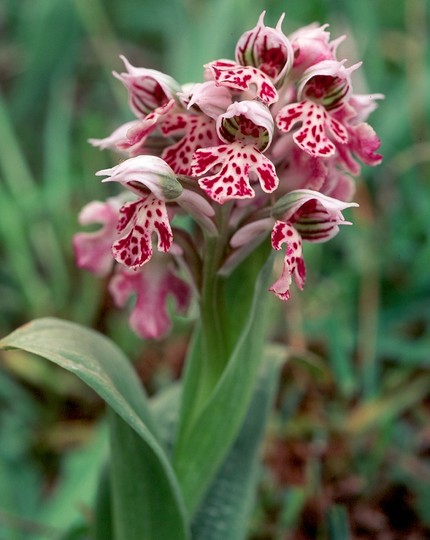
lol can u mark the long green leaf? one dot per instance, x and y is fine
(201, 448)
(99, 363)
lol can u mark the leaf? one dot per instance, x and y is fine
(103, 525)
(99, 363)
(225, 511)
(202, 447)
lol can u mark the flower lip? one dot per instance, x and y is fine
(247, 121)
(242, 79)
(266, 48)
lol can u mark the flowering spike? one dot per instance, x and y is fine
(200, 145)
(233, 163)
(243, 78)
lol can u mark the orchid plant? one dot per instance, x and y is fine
(262, 153)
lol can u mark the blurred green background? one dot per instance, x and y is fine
(349, 441)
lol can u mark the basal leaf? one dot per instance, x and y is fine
(136, 450)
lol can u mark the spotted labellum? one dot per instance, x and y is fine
(264, 147)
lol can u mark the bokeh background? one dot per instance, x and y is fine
(349, 440)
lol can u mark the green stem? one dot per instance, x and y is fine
(213, 320)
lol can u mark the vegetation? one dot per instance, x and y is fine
(348, 444)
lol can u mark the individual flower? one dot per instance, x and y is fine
(315, 216)
(151, 285)
(323, 88)
(148, 173)
(363, 142)
(267, 49)
(248, 127)
(299, 215)
(137, 135)
(155, 183)
(148, 89)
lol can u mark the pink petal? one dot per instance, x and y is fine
(233, 164)
(311, 44)
(363, 143)
(208, 98)
(297, 169)
(247, 233)
(316, 123)
(244, 78)
(93, 250)
(294, 266)
(148, 88)
(197, 206)
(337, 184)
(137, 135)
(152, 285)
(138, 221)
(196, 131)
(116, 137)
